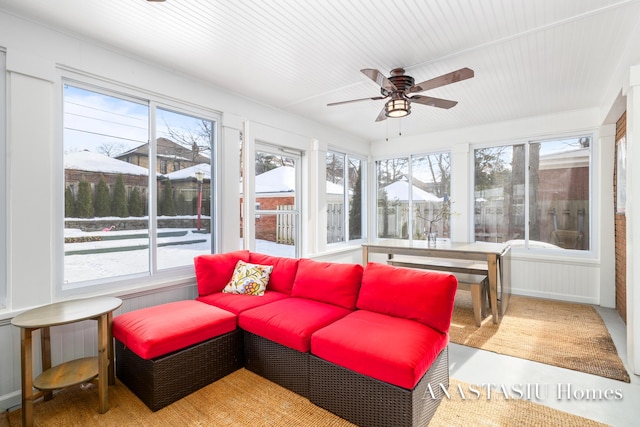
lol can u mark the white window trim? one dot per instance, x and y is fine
(589, 256)
(180, 276)
(3, 182)
(409, 156)
(365, 165)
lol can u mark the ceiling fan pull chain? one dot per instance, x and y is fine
(387, 129)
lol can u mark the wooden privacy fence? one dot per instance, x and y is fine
(335, 223)
(286, 225)
(396, 220)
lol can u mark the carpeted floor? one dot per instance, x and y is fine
(567, 335)
(246, 399)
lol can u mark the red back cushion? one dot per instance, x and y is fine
(329, 282)
(214, 271)
(284, 271)
(424, 296)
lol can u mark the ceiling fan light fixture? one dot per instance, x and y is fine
(396, 108)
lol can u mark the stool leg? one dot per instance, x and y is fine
(476, 298)
(485, 297)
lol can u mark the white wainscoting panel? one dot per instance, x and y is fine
(558, 280)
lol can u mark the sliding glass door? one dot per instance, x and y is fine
(276, 201)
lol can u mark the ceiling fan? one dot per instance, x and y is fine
(400, 87)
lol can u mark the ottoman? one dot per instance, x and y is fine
(168, 351)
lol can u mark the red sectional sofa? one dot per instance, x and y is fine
(364, 343)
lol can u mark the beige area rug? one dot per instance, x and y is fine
(566, 335)
(246, 399)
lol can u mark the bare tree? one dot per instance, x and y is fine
(440, 169)
(391, 170)
(199, 139)
(110, 149)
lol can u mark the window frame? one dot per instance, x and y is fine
(345, 199)
(253, 209)
(410, 157)
(3, 179)
(593, 215)
(154, 278)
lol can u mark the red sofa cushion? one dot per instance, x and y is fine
(236, 303)
(214, 271)
(162, 329)
(329, 282)
(290, 321)
(391, 349)
(423, 296)
(284, 271)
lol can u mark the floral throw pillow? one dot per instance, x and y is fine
(249, 279)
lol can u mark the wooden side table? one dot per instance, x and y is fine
(72, 372)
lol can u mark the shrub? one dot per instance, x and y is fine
(136, 208)
(69, 203)
(119, 202)
(167, 206)
(84, 204)
(103, 199)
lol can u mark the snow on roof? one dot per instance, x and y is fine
(399, 190)
(278, 180)
(96, 162)
(190, 172)
(282, 180)
(333, 188)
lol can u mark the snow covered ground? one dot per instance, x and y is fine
(101, 265)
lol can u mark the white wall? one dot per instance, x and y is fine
(36, 58)
(633, 229)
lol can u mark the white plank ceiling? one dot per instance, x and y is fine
(530, 57)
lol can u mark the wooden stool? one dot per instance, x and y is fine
(477, 284)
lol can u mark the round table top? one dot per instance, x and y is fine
(64, 312)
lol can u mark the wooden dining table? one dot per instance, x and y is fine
(459, 257)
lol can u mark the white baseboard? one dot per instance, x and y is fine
(555, 296)
(10, 400)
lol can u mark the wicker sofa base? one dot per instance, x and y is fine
(277, 363)
(368, 402)
(163, 380)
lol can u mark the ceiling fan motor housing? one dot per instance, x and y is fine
(402, 82)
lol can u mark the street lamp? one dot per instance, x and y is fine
(199, 178)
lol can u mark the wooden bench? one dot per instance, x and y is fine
(441, 264)
(471, 275)
(478, 285)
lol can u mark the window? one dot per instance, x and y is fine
(277, 194)
(345, 187)
(3, 184)
(412, 195)
(137, 191)
(184, 192)
(535, 194)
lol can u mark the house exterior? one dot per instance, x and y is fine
(171, 156)
(90, 166)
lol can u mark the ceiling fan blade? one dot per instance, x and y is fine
(445, 79)
(433, 102)
(380, 79)
(375, 98)
(382, 116)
